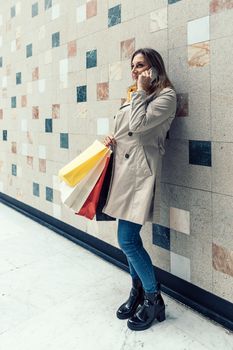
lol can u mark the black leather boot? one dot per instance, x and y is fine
(136, 298)
(152, 308)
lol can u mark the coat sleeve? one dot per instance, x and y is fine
(144, 117)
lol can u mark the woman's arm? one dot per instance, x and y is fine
(157, 111)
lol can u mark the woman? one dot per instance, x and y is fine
(141, 126)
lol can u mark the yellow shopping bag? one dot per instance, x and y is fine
(78, 168)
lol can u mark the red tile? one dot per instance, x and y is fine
(30, 161)
(42, 165)
(35, 112)
(55, 111)
(127, 48)
(102, 91)
(91, 8)
(72, 48)
(35, 73)
(24, 101)
(220, 5)
(13, 147)
(222, 259)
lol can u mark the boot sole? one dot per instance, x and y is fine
(160, 318)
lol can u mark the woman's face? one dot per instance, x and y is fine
(139, 64)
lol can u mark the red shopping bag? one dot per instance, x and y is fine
(89, 207)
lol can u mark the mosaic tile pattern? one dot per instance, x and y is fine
(114, 15)
(65, 91)
(161, 236)
(200, 153)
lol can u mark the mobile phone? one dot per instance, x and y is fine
(154, 74)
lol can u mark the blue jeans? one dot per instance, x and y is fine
(140, 264)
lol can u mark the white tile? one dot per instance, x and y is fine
(19, 171)
(63, 67)
(41, 32)
(198, 30)
(158, 19)
(81, 13)
(24, 125)
(180, 220)
(4, 81)
(29, 87)
(55, 11)
(0, 41)
(1, 186)
(41, 85)
(57, 211)
(13, 45)
(56, 182)
(24, 149)
(1, 20)
(115, 71)
(102, 126)
(180, 266)
(18, 32)
(48, 57)
(18, 8)
(42, 152)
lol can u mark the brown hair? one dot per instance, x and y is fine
(155, 60)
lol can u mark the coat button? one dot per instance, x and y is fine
(126, 155)
(114, 117)
(130, 133)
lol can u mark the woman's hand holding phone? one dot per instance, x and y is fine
(146, 78)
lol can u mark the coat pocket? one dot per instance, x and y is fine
(143, 163)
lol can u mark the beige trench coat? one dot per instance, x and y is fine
(140, 131)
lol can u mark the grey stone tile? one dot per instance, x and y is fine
(222, 166)
(221, 65)
(197, 8)
(200, 254)
(222, 220)
(221, 24)
(222, 285)
(177, 170)
(197, 202)
(178, 68)
(221, 114)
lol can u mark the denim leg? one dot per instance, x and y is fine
(130, 241)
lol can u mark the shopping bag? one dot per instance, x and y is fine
(78, 168)
(100, 216)
(75, 196)
(89, 207)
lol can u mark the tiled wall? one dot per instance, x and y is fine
(64, 72)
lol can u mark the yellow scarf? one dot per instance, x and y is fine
(131, 89)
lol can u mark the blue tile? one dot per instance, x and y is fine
(172, 1)
(47, 4)
(13, 11)
(29, 50)
(161, 236)
(81, 93)
(14, 169)
(91, 59)
(64, 140)
(56, 39)
(35, 9)
(4, 135)
(18, 78)
(13, 102)
(200, 153)
(36, 189)
(49, 194)
(48, 125)
(0, 61)
(114, 15)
